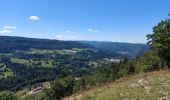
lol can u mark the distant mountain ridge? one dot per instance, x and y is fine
(10, 43)
(129, 49)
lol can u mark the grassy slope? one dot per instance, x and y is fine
(149, 86)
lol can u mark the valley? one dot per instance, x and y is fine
(40, 60)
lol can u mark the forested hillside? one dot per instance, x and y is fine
(9, 44)
(28, 61)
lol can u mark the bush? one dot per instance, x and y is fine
(60, 88)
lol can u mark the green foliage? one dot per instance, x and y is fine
(68, 85)
(5, 72)
(38, 96)
(45, 65)
(160, 40)
(148, 62)
(7, 95)
(60, 88)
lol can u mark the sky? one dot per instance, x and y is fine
(93, 20)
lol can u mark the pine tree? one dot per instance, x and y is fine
(160, 40)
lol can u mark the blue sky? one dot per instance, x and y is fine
(101, 20)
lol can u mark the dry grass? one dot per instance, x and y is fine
(146, 86)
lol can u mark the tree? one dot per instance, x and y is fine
(160, 40)
(61, 88)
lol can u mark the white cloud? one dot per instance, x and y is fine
(92, 30)
(34, 18)
(59, 36)
(10, 27)
(4, 31)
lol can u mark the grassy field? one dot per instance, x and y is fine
(43, 63)
(149, 86)
(6, 54)
(47, 64)
(8, 72)
(41, 51)
(21, 61)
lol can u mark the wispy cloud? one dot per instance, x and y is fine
(4, 31)
(92, 30)
(34, 18)
(68, 31)
(10, 27)
(68, 37)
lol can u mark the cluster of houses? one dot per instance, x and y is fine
(71, 51)
(113, 60)
(39, 88)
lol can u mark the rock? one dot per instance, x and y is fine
(79, 97)
(147, 87)
(163, 98)
(139, 83)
